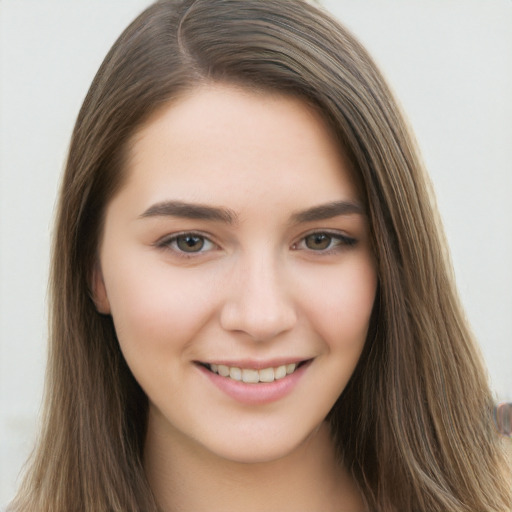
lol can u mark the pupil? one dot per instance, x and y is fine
(318, 241)
(190, 243)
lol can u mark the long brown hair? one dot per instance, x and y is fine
(414, 425)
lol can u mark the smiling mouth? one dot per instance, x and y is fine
(252, 375)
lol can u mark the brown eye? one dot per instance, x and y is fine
(190, 243)
(318, 241)
(187, 244)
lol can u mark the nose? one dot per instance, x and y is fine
(258, 302)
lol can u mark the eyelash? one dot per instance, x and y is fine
(337, 242)
(170, 243)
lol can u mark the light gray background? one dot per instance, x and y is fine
(450, 63)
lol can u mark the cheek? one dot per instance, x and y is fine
(342, 309)
(155, 307)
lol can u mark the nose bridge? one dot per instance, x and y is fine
(259, 303)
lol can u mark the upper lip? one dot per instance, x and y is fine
(256, 364)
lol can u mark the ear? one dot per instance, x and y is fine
(98, 290)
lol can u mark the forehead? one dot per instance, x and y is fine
(221, 140)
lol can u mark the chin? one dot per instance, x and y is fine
(255, 454)
(261, 449)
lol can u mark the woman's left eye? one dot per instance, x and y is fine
(324, 242)
(188, 243)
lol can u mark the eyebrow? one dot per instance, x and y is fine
(190, 211)
(327, 211)
(228, 216)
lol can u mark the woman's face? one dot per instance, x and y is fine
(238, 245)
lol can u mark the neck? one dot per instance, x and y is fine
(186, 477)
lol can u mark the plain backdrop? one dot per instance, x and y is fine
(450, 64)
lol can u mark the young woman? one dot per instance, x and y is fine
(251, 300)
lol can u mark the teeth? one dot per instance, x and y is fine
(235, 373)
(223, 370)
(266, 375)
(280, 372)
(290, 368)
(250, 376)
(253, 376)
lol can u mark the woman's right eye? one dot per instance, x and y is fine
(187, 243)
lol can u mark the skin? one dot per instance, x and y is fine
(253, 285)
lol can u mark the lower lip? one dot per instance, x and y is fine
(256, 394)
